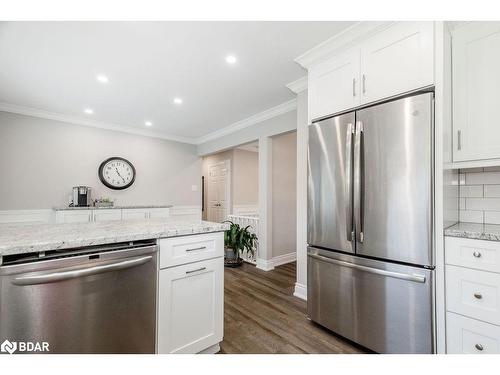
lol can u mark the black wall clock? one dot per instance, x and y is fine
(117, 173)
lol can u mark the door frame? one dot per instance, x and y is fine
(227, 163)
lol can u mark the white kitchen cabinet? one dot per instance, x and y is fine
(190, 306)
(159, 213)
(475, 59)
(74, 216)
(397, 60)
(135, 213)
(334, 85)
(470, 336)
(107, 214)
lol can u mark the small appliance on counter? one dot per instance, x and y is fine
(82, 196)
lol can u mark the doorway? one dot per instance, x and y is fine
(219, 190)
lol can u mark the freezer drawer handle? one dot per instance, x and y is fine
(396, 275)
(64, 274)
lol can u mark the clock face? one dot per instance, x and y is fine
(117, 173)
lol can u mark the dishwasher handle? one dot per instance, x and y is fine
(67, 274)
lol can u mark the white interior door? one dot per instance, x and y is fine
(218, 191)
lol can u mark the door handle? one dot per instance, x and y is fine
(354, 87)
(376, 271)
(459, 140)
(364, 84)
(196, 270)
(65, 274)
(358, 182)
(348, 177)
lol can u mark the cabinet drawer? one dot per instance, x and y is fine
(469, 336)
(190, 307)
(473, 293)
(188, 249)
(481, 255)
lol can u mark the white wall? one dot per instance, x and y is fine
(41, 160)
(284, 194)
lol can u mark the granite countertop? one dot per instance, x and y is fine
(109, 208)
(22, 238)
(489, 232)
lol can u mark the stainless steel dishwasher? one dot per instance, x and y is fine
(99, 299)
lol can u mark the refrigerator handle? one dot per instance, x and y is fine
(348, 183)
(358, 182)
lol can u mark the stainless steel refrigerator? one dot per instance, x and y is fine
(370, 208)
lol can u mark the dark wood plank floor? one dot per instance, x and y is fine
(261, 315)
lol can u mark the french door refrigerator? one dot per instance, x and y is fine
(370, 201)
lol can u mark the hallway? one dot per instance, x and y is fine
(261, 316)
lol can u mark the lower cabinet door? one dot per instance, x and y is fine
(190, 307)
(470, 336)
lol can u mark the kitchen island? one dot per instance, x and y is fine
(132, 286)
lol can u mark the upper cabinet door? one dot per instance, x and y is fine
(396, 60)
(476, 77)
(334, 85)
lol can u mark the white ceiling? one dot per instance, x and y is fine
(52, 66)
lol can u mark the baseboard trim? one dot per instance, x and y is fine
(300, 291)
(268, 265)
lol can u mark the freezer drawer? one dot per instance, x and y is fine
(385, 307)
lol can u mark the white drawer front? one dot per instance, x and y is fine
(481, 255)
(188, 249)
(473, 293)
(469, 336)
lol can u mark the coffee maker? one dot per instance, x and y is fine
(81, 196)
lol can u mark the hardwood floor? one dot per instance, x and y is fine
(261, 315)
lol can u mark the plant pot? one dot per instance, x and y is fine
(231, 259)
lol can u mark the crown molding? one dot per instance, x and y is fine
(75, 120)
(252, 120)
(298, 85)
(344, 39)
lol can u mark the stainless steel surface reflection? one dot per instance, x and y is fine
(98, 303)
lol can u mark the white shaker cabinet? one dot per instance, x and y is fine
(107, 214)
(334, 85)
(397, 60)
(476, 77)
(135, 213)
(159, 213)
(190, 307)
(74, 216)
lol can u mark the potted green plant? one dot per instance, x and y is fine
(236, 240)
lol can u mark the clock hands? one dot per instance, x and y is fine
(119, 174)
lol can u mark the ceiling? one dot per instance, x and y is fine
(52, 66)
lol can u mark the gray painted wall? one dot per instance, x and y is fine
(40, 161)
(284, 196)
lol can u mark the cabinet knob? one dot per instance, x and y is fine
(477, 254)
(479, 347)
(478, 295)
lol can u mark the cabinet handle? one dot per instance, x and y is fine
(196, 270)
(478, 295)
(354, 87)
(459, 140)
(197, 248)
(477, 254)
(364, 84)
(479, 347)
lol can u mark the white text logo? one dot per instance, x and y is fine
(22, 346)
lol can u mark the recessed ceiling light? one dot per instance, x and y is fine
(177, 100)
(231, 59)
(102, 78)
(88, 111)
(148, 123)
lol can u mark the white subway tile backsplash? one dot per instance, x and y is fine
(470, 191)
(492, 217)
(492, 191)
(483, 204)
(467, 216)
(482, 178)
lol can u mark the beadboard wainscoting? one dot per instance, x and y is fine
(479, 195)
